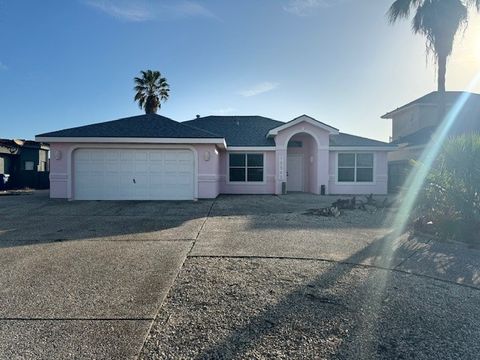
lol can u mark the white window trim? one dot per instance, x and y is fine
(246, 182)
(355, 183)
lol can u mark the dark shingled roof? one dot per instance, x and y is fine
(420, 137)
(239, 130)
(147, 126)
(433, 98)
(343, 139)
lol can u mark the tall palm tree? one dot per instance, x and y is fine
(438, 21)
(151, 89)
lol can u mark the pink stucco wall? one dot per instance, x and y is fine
(380, 177)
(59, 170)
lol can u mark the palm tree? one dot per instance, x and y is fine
(151, 90)
(438, 21)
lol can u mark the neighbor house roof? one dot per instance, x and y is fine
(432, 99)
(141, 126)
(420, 137)
(13, 146)
(238, 130)
(347, 140)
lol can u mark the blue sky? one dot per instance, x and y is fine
(70, 63)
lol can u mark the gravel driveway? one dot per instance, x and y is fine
(222, 308)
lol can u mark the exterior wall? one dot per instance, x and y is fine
(380, 177)
(319, 171)
(406, 153)
(61, 167)
(58, 170)
(413, 119)
(267, 187)
(208, 171)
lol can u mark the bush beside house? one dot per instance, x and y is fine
(449, 204)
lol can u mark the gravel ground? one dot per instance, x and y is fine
(221, 308)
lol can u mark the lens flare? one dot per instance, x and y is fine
(398, 222)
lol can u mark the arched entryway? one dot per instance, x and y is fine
(302, 162)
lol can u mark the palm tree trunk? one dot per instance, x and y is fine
(442, 71)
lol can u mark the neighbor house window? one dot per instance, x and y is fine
(246, 167)
(355, 167)
(29, 165)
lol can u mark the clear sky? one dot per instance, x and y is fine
(66, 63)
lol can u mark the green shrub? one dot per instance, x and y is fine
(451, 194)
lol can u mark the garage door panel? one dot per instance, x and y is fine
(141, 166)
(141, 155)
(133, 174)
(126, 154)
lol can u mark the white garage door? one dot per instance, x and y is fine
(133, 174)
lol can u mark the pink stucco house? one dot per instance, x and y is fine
(151, 157)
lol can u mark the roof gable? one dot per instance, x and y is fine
(303, 118)
(432, 99)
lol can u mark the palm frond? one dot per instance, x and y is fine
(401, 9)
(151, 89)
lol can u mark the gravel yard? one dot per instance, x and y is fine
(227, 308)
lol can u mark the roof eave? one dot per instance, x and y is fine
(132, 140)
(363, 148)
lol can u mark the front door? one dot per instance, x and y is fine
(295, 172)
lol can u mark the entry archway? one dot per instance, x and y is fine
(302, 163)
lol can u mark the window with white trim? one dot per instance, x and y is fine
(355, 167)
(245, 167)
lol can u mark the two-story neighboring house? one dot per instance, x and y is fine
(413, 125)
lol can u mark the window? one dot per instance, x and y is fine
(29, 165)
(246, 167)
(355, 167)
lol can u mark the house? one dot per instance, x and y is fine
(413, 125)
(25, 163)
(152, 157)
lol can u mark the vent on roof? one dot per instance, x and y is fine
(198, 116)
